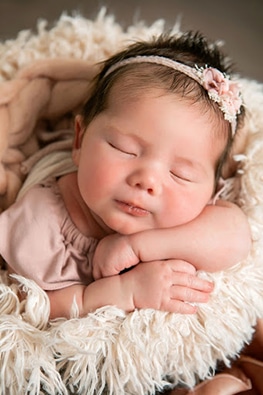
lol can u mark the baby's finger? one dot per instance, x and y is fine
(178, 265)
(177, 306)
(192, 282)
(190, 295)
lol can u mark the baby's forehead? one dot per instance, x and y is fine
(217, 126)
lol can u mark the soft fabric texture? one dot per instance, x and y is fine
(45, 78)
(60, 255)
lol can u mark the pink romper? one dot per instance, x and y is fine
(39, 241)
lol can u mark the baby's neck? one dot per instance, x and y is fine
(78, 211)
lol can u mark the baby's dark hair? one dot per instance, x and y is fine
(190, 48)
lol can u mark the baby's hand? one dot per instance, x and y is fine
(169, 285)
(113, 254)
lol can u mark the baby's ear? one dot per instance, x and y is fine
(78, 136)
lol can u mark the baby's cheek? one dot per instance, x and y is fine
(178, 211)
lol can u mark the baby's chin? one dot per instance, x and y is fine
(126, 228)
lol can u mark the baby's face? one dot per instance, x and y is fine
(147, 163)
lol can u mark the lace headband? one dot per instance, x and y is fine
(220, 88)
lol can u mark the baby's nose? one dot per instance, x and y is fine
(147, 179)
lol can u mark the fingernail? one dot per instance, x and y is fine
(211, 285)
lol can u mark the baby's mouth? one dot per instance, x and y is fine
(132, 209)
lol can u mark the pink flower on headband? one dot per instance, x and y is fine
(215, 82)
(223, 91)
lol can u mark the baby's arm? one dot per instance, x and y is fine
(161, 285)
(217, 239)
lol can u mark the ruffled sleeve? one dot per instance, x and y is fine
(39, 241)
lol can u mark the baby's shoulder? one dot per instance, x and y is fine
(40, 194)
(41, 204)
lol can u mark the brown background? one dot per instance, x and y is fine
(238, 23)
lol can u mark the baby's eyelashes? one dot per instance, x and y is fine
(123, 150)
(181, 176)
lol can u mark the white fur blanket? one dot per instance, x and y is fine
(45, 78)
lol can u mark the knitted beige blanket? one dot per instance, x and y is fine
(45, 79)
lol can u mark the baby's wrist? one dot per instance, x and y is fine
(127, 291)
(133, 242)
